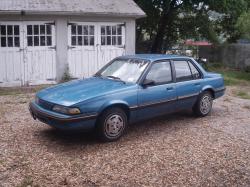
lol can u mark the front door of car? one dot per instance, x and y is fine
(158, 97)
(188, 83)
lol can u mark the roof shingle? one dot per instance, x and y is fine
(71, 7)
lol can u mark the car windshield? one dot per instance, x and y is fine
(128, 70)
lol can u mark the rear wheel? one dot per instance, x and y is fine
(204, 104)
(112, 124)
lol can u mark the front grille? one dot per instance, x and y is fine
(45, 104)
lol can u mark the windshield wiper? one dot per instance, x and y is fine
(116, 78)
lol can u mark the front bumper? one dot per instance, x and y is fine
(61, 121)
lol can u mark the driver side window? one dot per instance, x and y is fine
(160, 73)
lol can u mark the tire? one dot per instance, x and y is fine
(112, 124)
(204, 104)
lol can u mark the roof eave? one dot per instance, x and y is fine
(67, 13)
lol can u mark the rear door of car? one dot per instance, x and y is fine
(188, 82)
(160, 98)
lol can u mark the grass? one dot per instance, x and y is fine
(243, 95)
(27, 181)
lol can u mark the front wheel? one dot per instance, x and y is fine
(204, 104)
(112, 124)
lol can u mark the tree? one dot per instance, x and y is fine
(243, 25)
(168, 21)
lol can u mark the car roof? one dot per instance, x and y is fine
(153, 57)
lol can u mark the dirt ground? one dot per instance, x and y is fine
(175, 150)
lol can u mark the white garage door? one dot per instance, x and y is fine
(92, 45)
(27, 53)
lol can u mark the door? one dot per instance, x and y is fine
(92, 45)
(188, 83)
(160, 97)
(27, 53)
(112, 42)
(11, 55)
(39, 53)
(82, 54)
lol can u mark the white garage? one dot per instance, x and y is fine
(41, 40)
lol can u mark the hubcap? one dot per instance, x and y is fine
(114, 125)
(206, 104)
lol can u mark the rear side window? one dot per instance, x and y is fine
(196, 74)
(160, 73)
(183, 72)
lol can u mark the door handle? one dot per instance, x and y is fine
(54, 47)
(71, 47)
(170, 88)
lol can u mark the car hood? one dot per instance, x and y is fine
(70, 93)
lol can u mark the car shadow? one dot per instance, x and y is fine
(72, 138)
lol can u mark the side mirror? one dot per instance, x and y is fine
(148, 82)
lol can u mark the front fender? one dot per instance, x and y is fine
(112, 103)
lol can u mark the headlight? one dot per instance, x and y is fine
(66, 110)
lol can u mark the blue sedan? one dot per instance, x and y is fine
(127, 90)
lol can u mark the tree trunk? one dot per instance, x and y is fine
(163, 22)
(158, 41)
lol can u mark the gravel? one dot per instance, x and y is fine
(174, 150)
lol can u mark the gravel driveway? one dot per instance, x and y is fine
(172, 150)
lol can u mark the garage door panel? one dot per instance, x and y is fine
(93, 45)
(40, 53)
(40, 66)
(11, 57)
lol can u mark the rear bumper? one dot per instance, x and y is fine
(219, 92)
(61, 121)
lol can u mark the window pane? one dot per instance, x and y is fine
(17, 42)
(49, 40)
(48, 29)
(183, 72)
(79, 30)
(30, 41)
(42, 41)
(29, 29)
(91, 30)
(91, 40)
(3, 42)
(42, 29)
(103, 38)
(119, 30)
(108, 40)
(79, 40)
(113, 40)
(36, 40)
(114, 30)
(10, 30)
(16, 30)
(85, 28)
(73, 40)
(119, 40)
(160, 73)
(10, 41)
(195, 72)
(102, 30)
(73, 30)
(86, 40)
(3, 30)
(36, 29)
(108, 30)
